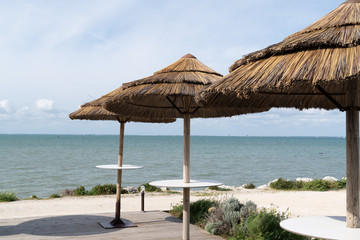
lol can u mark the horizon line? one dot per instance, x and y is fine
(163, 135)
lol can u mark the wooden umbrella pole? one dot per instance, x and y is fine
(352, 158)
(117, 219)
(186, 177)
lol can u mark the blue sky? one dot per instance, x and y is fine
(57, 55)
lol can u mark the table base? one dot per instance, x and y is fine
(125, 224)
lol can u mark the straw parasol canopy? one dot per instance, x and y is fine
(163, 94)
(308, 69)
(170, 92)
(94, 111)
(317, 67)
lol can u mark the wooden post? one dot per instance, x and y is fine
(117, 219)
(186, 171)
(186, 177)
(352, 157)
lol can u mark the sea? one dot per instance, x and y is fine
(42, 165)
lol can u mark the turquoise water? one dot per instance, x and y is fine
(44, 164)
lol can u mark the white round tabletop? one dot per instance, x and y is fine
(116, 167)
(329, 227)
(179, 183)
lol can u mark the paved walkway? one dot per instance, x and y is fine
(153, 225)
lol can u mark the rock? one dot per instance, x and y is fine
(164, 189)
(272, 182)
(132, 189)
(265, 186)
(331, 179)
(67, 192)
(304, 179)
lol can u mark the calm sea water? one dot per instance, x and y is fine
(44, 164)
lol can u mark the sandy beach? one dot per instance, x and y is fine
(298, 203)
(77, 217)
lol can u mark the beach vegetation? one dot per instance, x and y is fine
(80, 191)
(6, 196)
(54, 196)
(105, 189)
(236, 221)
(173, 192)
(263, 225)
(149, 188)
(32, 197)
(250, 186)
(314, 185)
(283, 184)
(217, 188)
(198, 210)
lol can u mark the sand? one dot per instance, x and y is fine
(297, 203)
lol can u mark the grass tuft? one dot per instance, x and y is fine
(217, 188)
(6, 196)
(314, 185)
(250, 186)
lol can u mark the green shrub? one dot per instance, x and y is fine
(124, 191)
(264, 225)
(283, 184)
(235, 221)
(248, 209)
(231, 204)
(103, 189)
(249, 186)
(80, 191)
(198, 210)
(55, 195)
(177, 210)
(149, 188)
(216, 188)
(8, 196)
(319, 185)
(314, 185)
(215, 222)
(33, 197)
(221, 220)
(214, 228)
(341, 183)
(231, 209)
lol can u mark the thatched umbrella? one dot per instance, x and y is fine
(317, 67)
(170, 93)
(94, 111)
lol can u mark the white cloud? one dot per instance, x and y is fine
(44, 105)
(43, 110)
(4, 106)
(22, 113)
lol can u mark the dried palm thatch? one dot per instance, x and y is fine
(318, 67)
(163, 94)
(94, 111)
(309, 69)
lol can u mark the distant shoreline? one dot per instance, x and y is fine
(132, 135)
